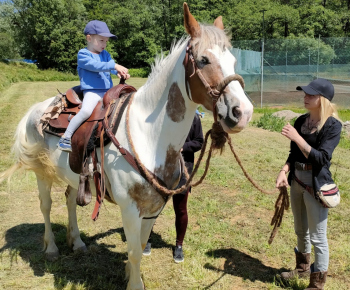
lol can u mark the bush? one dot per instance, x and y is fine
(13, 72)
(140, 72)
(272, 123)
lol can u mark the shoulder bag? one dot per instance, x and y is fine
(328, 196)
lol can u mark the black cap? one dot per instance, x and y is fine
(319, 87)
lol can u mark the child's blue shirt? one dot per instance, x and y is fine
(95, 70)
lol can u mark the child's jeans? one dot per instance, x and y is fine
(89, 103)
(310, 221)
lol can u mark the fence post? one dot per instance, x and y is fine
(262, 73)
(286, 59)
(318, 54)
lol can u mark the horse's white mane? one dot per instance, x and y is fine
(164, 65)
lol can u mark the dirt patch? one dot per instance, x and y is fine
(286, 114)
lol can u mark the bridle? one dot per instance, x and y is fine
(213, 91)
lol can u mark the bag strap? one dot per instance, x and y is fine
(308, 188)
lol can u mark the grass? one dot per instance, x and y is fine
(226, 241)
(14, 72)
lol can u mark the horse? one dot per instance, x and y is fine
(199, 70)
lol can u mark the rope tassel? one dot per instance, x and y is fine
(282, 203)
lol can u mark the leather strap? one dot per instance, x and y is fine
(99, 197)
(212, 92)
(302, 184)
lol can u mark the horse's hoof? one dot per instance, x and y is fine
(53, 256)
(82, 249)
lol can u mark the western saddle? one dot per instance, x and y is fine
(90, 135)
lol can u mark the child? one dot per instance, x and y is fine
(94, 68)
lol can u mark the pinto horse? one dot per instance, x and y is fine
(160, 117)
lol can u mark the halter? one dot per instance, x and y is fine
(212, 91)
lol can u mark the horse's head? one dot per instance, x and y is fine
(210, 74)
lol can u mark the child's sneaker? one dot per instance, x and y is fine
(178, 254)
(64, 144)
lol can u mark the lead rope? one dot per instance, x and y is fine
(281, 204)
(218, 140)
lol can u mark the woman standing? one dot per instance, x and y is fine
(313, 140)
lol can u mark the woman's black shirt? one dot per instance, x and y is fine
(321, 152)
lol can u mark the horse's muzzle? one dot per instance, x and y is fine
(229, 108)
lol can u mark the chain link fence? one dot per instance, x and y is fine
(288, 63)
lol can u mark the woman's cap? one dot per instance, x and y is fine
(319, 87)
(98, 27)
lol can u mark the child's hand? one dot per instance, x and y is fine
(125, 78)
(122, 71)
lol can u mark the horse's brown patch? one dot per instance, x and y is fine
(147, 200)
(175, 108)
(170, 172)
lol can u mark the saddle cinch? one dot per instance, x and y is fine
(88, 136)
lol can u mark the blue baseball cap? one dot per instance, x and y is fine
(319, 86)
(98, 27)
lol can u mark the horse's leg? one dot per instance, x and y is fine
(73, 234)
(50, 248)
(132, 230)
(146, 228)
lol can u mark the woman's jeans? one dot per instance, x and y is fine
(310, 221)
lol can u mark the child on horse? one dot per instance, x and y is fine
(95, 66)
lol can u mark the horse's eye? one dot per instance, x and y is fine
(204, 60)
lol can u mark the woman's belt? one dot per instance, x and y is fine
(303, 166)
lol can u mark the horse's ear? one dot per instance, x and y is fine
(218, 23)
(191, 24)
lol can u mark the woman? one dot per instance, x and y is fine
(193, 143)
(313, 140)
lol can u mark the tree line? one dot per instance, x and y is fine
(51, 31)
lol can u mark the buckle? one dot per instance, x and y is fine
(303, 166)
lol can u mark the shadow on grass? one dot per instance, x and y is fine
(242, 265)
(99, 268)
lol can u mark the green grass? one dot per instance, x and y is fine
(229, 221)
(23, 72)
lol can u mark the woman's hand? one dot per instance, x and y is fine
(281, 179)
(290, 132)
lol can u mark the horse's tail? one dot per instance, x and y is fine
(29, 155)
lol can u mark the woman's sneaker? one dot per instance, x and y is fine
(178, 254)
(64, 144)
(147, 250)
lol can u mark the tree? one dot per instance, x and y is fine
(8, 47)
(49, 31)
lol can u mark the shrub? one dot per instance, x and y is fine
(139, 72)
(12, 72)
(272, 123)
